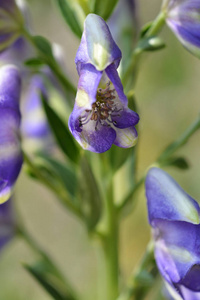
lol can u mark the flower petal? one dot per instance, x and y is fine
(97, 45)
(97, 141)
(114, 78)
(10, 149)
(126, 137)
(167, 200)
(126, 118)
(178, 257)
(183, 18)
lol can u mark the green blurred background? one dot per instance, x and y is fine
(167, 93)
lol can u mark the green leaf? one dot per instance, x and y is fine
(43, 45)
(34, 62)
(70, 16)
(61, 132)
(145, 28)
(103, 8)
(91, 203)
(178, 162)
(48, 278)
(151, 43)
(57, 171)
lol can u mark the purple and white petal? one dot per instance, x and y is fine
(126, 138)
(183, 17)
(167, 200)
(97, 45)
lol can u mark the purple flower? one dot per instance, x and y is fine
(11, 23)
(175, 220)
(34, 127)
(100, 116)
(10, 149)
(7, 223)
(123, 24)
(183, 17)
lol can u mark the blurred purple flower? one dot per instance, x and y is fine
(183, 17)
(11, 23)
(7, 223)
(174, 217)
(123, 25)
(34, 124)
(100, 116)
(10, 150)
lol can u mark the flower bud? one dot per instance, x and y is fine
(183, 17)
(174, 217)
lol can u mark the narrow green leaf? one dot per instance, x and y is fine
(91, 204)
(145, 28)
(49, 280)
(61, 132)
(43, 45)
(58, 172)
(70, 16)
(103, 8)
(178, 162)
(34, 62)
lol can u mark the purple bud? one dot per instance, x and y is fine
(183, 17)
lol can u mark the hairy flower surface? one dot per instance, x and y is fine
(174, 217)
(183, 17)
(100, 116)
(10, 149)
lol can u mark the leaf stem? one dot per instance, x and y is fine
(53, 65)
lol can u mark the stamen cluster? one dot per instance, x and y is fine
(103, 109)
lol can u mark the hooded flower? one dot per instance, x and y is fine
(175, 220)
(100, 116)
(10, 149)
(11, 23)
(183, 17)
(7, 223)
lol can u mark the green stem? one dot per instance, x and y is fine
(139, 284)
(131, 194)
(54, 66)
(110, 247)
(155, 28)
(57, 190)
(169, 151)
(162, 159)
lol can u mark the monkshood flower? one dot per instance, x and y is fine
(7, 223)
(183, 17)
(100, 116)
(11, 23)
(10, 149)
(174, 217)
